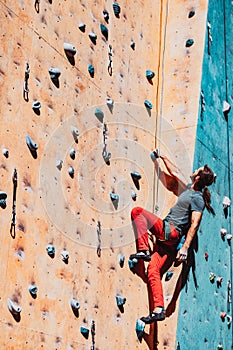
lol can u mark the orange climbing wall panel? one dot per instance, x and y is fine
(53, 208)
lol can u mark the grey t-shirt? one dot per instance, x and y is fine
(180, 214)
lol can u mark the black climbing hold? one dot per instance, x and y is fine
(32, 146)
(36, 107)
(93, 37)
(3, 195)
(132, 44)
(191, 14)
(85, 332)
(116, 9)
(14, 309)
(72, 153)
(54, 73)
(75, 306)
(104, 31)
(189, 42)
(91, 70)
(106, 15)
(71, 172)
(148, 104)
(115, 199)
(3, 203)
(169, 275)
(135, 175)
(82, 27)
(150, 74)
(69, 49)
(5, 152)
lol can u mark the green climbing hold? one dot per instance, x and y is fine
(189, 42)
(104, 31)
(116, 9)
(140, 326)
(148, 104)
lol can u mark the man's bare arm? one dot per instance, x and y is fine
(195, 222)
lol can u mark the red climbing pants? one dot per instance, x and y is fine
(164, 251)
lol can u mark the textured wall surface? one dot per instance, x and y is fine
(53, 208)
(202, 302)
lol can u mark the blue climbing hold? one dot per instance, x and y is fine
(169, 275)
(132, 263)
(140, 326)
(136, 175)
(116, 9)
(180, 245)
(189, 42)
(120, 300)
(31, 144)
(150, 74)
(33, 290)
(114, 197)
(84, 331)
(91, 70)
(104, 31)
(50, 250)
(148, 104)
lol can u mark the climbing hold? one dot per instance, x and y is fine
(104, 31)
(191, 14)
(212, 277)
(36, 107)
(115, 199)
(133, 195)
(69, 49)
(226, 108)
(220, 347)
(189, 42)
(109, 101)
(3, 195)
(226, 202)
(169, 275)
(132, 263)
(72, 153)
(75, 306)
(50, 250)
(219, 281)
(99, 114)
(31, 144)
(106, 15)
(65, 255)
(82, 27)
(150, 74)
(132, 45)
(229, 237)
(33, 290)
(229, 320)
(140, 326)
(13, 308)
(85, 332)
(71, 171)
(223, 315)
(59, 164)
(136, 175)
(206, 256)
(223, 232)
(54, 73)
(93, 37)
(75, 133)
(120, 300)
(116, 9)
(148, 104)
(155, 154)
(106, 155)
(91, 70)
(5, 152)
(121, 259)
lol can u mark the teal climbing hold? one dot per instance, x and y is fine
(169, 275)
(132, 263)
(84, 331)
(148, 104)
(50, 250)
(116, 9)
(104, 31)
(91, 70)
(136, 175)
(140, 326)
(99, 114)
(150, 74)
(120, 300)
(114, 197)
(189, 42)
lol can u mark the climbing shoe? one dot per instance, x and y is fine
(157, 315)
(141, 254)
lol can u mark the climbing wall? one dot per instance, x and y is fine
(91, 130)
(206, 298)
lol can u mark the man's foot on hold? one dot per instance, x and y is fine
(157, 315)
(141, 254)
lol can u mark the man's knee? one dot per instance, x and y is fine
(136, 211)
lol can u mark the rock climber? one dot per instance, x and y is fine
(182, 221)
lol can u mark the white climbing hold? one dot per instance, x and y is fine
(71, 171)
(109, 101)
(74, 304)
(226, 202)
(13, 308)
(229, 320)
(65, 255)
(59, 163)
(5, 152)
(226, 107)
(133, 195)
(229, 237)
(223, 232)
(72, 153)
(69, 49)
(54, 73)
(75, 133)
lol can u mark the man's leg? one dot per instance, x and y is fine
(142, 221)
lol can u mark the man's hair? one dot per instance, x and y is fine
(207, 177)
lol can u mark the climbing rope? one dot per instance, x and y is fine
(159, 101)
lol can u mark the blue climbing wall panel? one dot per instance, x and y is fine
(203, 301)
